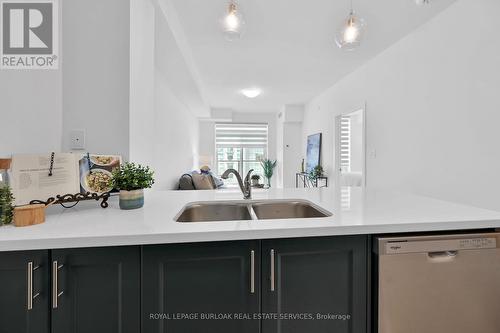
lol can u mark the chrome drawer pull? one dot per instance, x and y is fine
(55, 284)
(273, 287)
(31, 297)
(30, 286)
(252, 272)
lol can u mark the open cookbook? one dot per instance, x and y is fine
(40, 176)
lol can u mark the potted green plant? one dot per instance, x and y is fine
(255, 180)
(268, 167)
(131, 179)
(6, 204)
(315, 173)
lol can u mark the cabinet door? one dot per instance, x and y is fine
(199, 280)
(304, 278)
(96, 290)
(24, 292)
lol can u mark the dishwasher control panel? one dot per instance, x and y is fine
(436, 244)
(477, 243)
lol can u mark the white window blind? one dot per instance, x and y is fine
(240, 147)
(345, 144)
(241, 135)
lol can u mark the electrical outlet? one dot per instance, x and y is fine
(78, 139)
(373, 153)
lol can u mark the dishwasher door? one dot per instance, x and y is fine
(439, 284)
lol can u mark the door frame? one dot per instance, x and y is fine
(336, 144)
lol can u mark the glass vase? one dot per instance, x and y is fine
(268, 182)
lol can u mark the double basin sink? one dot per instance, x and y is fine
(250, 210)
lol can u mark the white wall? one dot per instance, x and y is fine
(432, 108)
(31, 110)
(280, 148)
(142, 81)
(88, 91)
(116, 81)
(163, 129)
(176, 144)
(175, 127)
(96, 46)
(128, 86)
(289, 144)
(292, 152)
(207, 142)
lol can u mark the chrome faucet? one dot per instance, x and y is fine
(245, 186)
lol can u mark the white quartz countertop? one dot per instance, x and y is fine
(355, 211)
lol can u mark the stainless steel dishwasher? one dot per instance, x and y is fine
(439, 284)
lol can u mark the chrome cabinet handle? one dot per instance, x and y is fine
(29, 288)
(272, 277)
(55, 284)
(252, 272)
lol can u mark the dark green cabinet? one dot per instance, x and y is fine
(296, 285)
(90, 290)
(96, 290)
(300, 285)
(201, 280)
(320, 281)
(24, 296)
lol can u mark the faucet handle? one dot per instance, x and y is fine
(249, 174)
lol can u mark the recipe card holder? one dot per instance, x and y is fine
(72, 199)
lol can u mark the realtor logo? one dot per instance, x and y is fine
(29, 34)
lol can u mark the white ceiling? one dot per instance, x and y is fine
(288, 49)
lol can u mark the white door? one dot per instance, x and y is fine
(350, 143)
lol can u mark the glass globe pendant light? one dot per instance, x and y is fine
(422, 2)
(233, 22)
(350, 33)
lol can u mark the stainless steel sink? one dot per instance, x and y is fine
(250, 210)
(210, 212)
(296, 209)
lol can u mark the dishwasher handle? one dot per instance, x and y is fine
(442, 255)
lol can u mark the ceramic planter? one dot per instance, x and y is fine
(131, 199)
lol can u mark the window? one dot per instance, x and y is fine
(345, 144)
(240, 147)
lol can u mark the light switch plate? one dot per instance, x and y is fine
(77, 139)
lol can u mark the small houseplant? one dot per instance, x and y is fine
(268, 167)
(315, 173)
(255, 180)
(6, 204)
(131, 179)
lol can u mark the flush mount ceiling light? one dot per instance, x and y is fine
(233, 22)
(251, 92)
(350, 33)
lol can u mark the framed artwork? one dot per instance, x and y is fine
(313, 151)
